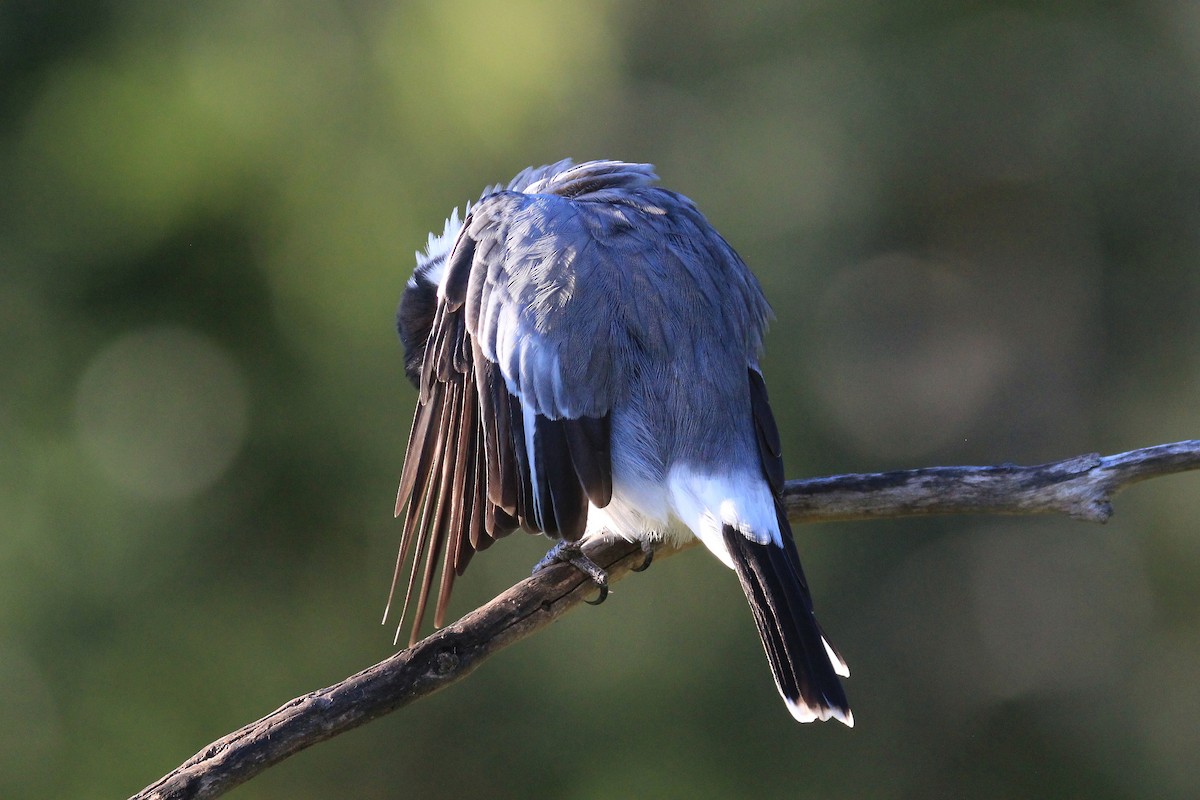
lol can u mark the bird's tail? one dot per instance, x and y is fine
(805, 665)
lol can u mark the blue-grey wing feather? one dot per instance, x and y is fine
(540, 302)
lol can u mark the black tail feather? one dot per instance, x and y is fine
(800, 658)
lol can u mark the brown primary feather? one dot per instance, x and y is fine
(467, 477)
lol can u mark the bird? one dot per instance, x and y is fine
(585, 348)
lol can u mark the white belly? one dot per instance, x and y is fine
(689, 504)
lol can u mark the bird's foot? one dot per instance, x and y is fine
(648, 556)
(571, 553)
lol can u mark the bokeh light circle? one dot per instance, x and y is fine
(162, 411)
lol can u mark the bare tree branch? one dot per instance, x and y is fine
(1080, 487)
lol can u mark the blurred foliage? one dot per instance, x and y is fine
(979, 224)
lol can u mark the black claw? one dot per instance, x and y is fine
(645, 565)
(600, 598)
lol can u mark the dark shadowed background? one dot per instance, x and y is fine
(978, 223)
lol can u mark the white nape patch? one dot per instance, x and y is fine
(806, 713)
(839, 665)
(707, 502)
(433, 261)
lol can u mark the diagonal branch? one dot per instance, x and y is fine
(1081, 487)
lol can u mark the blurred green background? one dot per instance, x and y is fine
(978, 223)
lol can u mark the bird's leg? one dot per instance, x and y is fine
(571, 553)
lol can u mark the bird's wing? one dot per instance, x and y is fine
(521, 365)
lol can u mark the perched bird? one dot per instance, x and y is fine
(585, 346)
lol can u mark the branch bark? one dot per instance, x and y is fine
(1081, 487)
